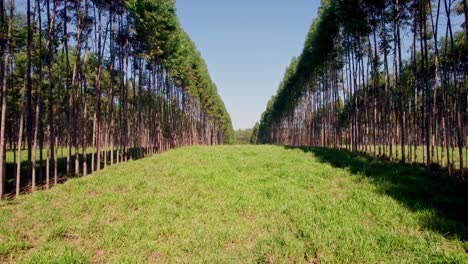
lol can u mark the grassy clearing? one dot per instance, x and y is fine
(241, 204)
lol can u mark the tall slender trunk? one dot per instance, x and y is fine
(68, 92)
(20, 142)
(29, 119)
(50, 126)
(85, 91)
(5, 43)
(38, 99)
(434, 26)
(402, 96)
(76, 84)
(112, 79)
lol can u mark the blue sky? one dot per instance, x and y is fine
(247, 45)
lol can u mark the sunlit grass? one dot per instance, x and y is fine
(233, 204)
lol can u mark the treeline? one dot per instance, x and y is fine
(98, 82)
(243, 136)
(385, 77)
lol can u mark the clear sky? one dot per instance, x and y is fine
(247, 45)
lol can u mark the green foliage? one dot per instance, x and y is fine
(254, 137)
(159, 27)
(156, 23)
(318, 49)
(241, 204)
(243, 136)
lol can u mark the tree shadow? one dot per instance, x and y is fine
(10, 169)
(412, 185)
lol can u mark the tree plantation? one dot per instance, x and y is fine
(385, 77)
(86, 84)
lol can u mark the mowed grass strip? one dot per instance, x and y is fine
(228, 204)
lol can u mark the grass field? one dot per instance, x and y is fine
(242, 204)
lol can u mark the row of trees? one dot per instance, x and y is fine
(254, 136)
(385, 77)
(242, 136)
(98, 82)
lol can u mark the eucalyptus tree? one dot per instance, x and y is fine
(254, 136)
(5, 43)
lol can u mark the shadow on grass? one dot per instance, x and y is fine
(413, 186)
(133, 153)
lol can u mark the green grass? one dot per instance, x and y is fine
(242, 204)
